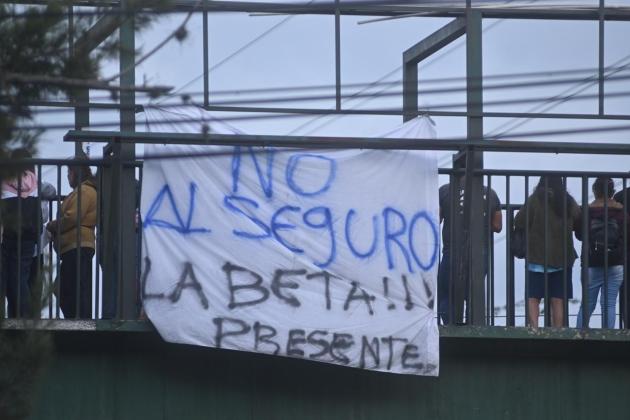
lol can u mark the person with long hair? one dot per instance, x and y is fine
(76, 241)
(605, 253)
(550, 253)
(19, 234)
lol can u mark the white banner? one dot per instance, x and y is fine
(329, 256)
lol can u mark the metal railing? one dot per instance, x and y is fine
(507, 279)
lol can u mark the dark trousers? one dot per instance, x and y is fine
(444, 274)
(16, 273)
(71, 279)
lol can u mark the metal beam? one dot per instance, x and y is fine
(98, 33)
(420, 51)
(320, 142)
(436, 41)
(376, 8)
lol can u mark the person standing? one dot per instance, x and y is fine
(76, 224)
(444, 270)
(549, 246)
(20, 220)
(605, 253)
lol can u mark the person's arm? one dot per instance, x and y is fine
(497, 221)
(497, 217)
(577, 221)
(68, 220)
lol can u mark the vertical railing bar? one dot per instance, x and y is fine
(585, 256)
(50, 292)
(604, 297)
(566, 236)
(98, 250)
(337, 57)
(625, 253)
(78, 174)
(206, 71)
(527, 252)
(119, 269)
(454, 198)
(39, 254)
(509, 287)
(491, 262)
(488, 234)
(546, 306)
(19, 245)
(57, 238)
(601, 63)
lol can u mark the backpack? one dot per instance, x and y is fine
(599, 244)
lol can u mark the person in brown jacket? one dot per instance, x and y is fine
(549, 261)
(74, 236)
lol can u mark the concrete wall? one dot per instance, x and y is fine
(485, 374)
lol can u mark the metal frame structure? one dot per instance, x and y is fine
(467, 20)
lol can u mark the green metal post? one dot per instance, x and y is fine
(473, 197)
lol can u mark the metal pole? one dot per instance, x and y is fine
(601, 63)
(585, 239)
(206, 70)
(127, 182)
(474, 188)
(338, 57)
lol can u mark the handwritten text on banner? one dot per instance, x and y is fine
(329, 256)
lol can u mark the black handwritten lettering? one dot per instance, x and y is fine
(341, 342)
(410, 352)
(296, 337)
(229, 268)
(362, 296)
(277, 285)
(260, 337)
(373, 349)
(143, 282)
(389, 341)
(427, 289)
(319, 342)
(408, 302)
(326, 276)
(243, 328)
(194, 284)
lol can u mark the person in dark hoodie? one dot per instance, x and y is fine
(74, 236)
(549, 261)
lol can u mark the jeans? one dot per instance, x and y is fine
(595, 284)
(16, 279)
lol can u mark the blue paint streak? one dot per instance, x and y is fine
(326, 223)
(265, 179)
(372, 249)
(275, 227)
(393, 237)
(424, 215)
(227, 202)
(183, 227)
(292, 166)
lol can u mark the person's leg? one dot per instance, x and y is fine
(443, 289)
(557, 311)
(560, 289)
(85, 310)
(533, 306)
(535, 292)
(67, 284)
(35, 284)
(615, 278)
(595, 281)
(26, 258)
